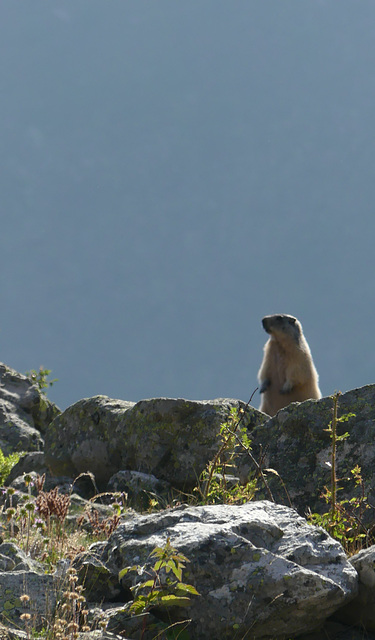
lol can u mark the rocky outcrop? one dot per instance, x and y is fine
(170, 439)
(262, 572)
(297, 445)
(260, 568)
(174, 440)
(24, 413)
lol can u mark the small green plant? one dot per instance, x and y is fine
(215, 481)
(40, 378)
(164, 587)
(344, 520)
(215, 485)
(6, 464)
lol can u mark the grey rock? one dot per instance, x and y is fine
(97, 634)
(29, 462)
(17, 432)
(18, 560)
(10, 633)
(100, 583)
(23, 490)
(361, 610)
(6, 563)
(85, 438)
(41, 590)
(259, 567)
(170, 439)
(50, 482)
(139, 488)
(119, 620)
(18, 389)
(296, 444)
(24, 412)
(20, 392)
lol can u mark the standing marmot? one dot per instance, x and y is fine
(287, 373)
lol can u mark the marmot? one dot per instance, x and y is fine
(287, 373)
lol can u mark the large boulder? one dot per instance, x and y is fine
(295, 443)
(260, 569)
(170, 439)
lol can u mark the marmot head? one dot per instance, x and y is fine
(282, 325)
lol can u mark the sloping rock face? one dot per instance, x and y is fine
(24, 412)
(170, 439)
(261, 570)
(296, 444)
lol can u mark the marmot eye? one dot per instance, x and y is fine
(292, 321)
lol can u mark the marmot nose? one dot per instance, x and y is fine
(265, 323)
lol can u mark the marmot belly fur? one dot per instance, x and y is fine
(287, 373)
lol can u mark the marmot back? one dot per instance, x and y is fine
(287, 373)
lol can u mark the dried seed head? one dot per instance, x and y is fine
(25, 616)
(24, 598)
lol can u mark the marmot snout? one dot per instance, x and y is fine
(287, 373)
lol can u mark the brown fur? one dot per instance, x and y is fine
(287, 373)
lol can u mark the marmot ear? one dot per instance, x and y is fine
(292, 320)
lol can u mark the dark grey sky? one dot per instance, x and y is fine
(170, 173)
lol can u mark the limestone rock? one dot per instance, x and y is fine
(170, 439)
(259, 567)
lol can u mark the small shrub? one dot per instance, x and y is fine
(344, 519)
(164, 587)
(215, 485)
(6, 464)
(39, 378)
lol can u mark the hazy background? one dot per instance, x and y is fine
(173, 171)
